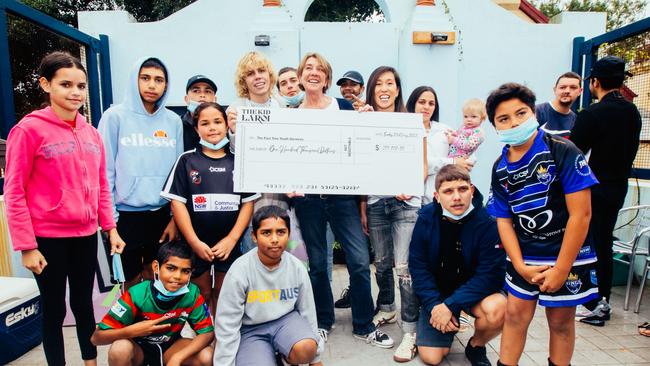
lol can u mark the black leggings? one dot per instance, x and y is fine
(73, 259)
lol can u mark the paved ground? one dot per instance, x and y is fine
(618, 343)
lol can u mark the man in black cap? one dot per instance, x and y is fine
(609, 131)
(351, 84)
(199, 89)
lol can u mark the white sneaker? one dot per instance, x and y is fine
(376, 338)
(603, 309)
(384, 317)
(323, 334)
(406, 350)
(583, 312)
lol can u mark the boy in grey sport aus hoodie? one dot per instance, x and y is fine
(258, 302)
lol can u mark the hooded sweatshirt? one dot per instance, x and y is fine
(141, 148)
(55, 180)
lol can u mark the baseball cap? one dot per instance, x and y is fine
(200, 79)
(351, 75)
(609, 67)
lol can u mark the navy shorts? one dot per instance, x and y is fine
(260, 342)
(580, 287)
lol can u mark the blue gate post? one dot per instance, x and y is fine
(576, 62)
(105, 71)
(591, 55)
(93, 81)
(7, 111)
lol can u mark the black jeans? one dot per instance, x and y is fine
(74, 260)
(606, 200)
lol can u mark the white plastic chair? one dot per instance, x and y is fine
(643, 279)
(640, 226)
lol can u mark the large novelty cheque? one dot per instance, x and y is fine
(329, 152)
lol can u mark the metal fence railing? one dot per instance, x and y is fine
(26, 35)
(632, 43)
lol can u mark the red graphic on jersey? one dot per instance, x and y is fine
(200, 199)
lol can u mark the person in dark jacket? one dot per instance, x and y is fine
(199, 89)
(456, 263)
(610, 130)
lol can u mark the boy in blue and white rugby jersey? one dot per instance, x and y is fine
(541, 197)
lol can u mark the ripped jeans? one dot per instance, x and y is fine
(391, 224)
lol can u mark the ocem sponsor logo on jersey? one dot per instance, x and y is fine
(217, 169)
(159, 138)
(520, 175)
(21, 314)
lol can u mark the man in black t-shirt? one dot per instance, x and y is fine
(608, 132)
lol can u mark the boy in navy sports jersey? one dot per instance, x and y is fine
(541, 198)
(211, 217)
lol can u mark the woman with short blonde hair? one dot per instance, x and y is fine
(324, 64)
(343, 214)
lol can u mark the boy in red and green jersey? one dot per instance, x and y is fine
(145, 324)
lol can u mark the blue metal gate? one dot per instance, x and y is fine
(632, 43)
(97, 62)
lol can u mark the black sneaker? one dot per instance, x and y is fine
(597, 320)
(477, 356)
(344, 301)
(599, 315)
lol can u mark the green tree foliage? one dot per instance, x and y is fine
(635, 50)
(28, 43)
(142, 10)
(344, 11)
(619, 12)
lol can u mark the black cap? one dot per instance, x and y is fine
(351, 75)
(200, 79)
(609, 67)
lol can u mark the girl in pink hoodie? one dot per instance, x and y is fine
(56, 194)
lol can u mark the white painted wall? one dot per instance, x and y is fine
(493, 46)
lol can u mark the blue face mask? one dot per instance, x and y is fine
(166, 295)
(520, 134)
(218, 146)
(457, 217)
(295, 100)
(192, 105)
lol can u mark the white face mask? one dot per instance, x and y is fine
(192, 105)
(218, 146)
(166, 294)
(457, 217)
